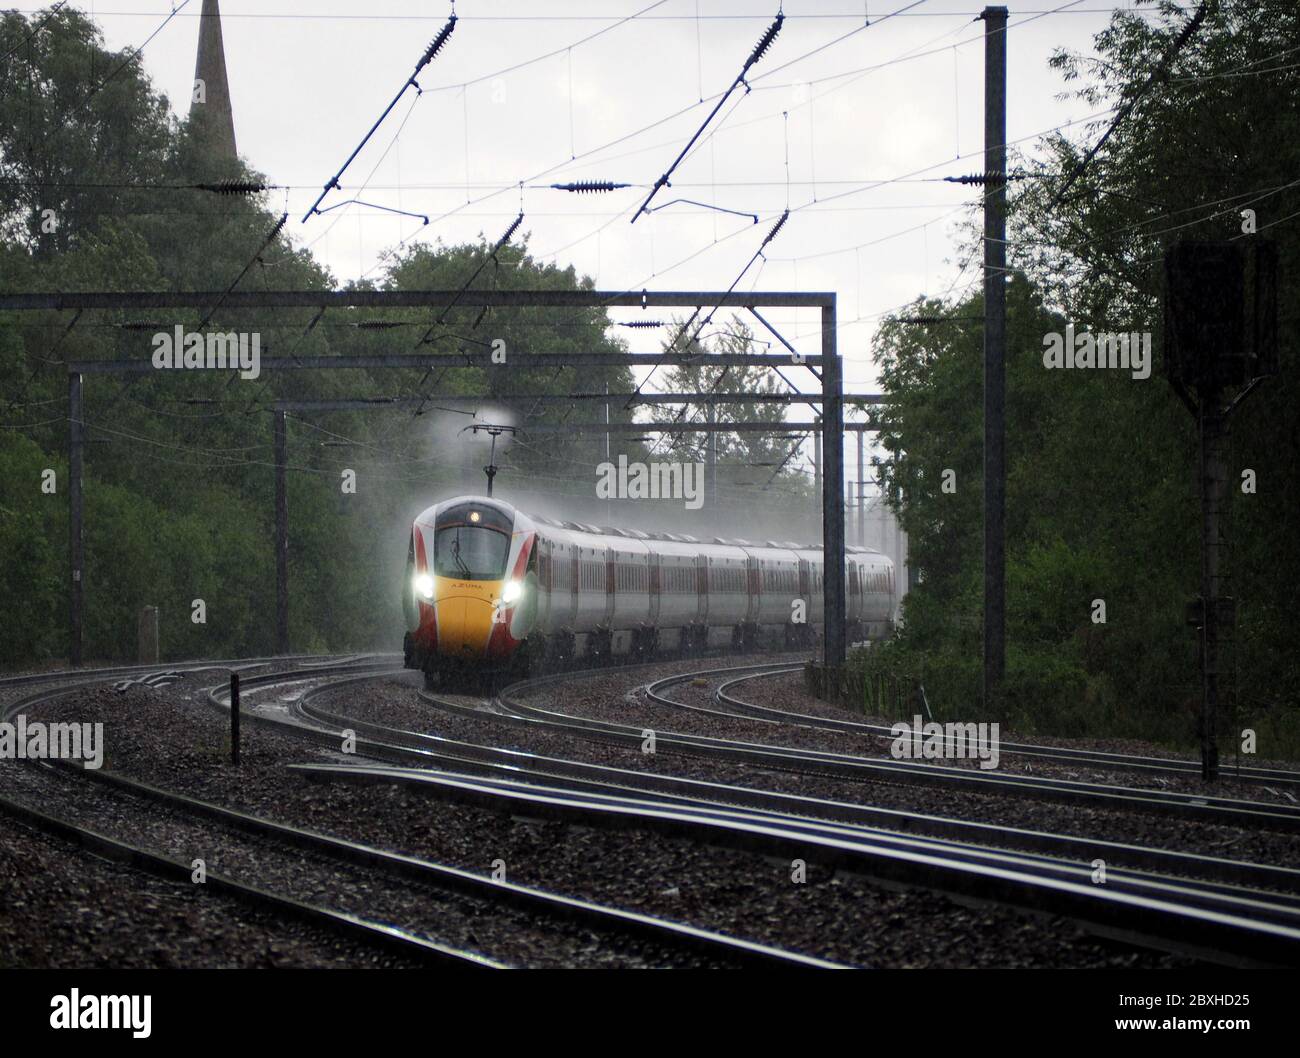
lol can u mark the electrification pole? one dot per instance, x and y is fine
(711, 456)
(995, 340)
(862, 499)
(76, 439)
(281, 536)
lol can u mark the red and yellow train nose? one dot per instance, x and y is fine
(468, 598)
(465, 619)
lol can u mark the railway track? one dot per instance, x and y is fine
(723, 949)
(1210, 808)
(731, 705)
(1236, 912)
(390, 938)
(137, 855)
(420, 749)
(1183, 917)
(82, 676)
(1226, 918)
(649, 940)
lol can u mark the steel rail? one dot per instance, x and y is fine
(193, 665)
(863, 769)
(1153, 920)
(1279, 908)
(1237, 874)
(56, 683)
(379, 934)
(376, 933)
(599, 781)
(446, 877)
(678, 935)
(1268, 909)
(427, 750)
(1065, 754)
(597, 915)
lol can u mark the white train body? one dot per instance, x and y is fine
(564, 590)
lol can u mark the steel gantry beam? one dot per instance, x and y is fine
(470, 358)
(380, 403)
(815, 428)
(824, 366)
(412, 299)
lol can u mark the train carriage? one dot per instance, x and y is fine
(490, 589)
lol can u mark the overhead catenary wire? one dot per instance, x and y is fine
(866, 186)
(673, 345)
(429, 53)
(1162, 68)
(720, 17)
(270, 238)
(135, 52)
(496, 191)
(491, 255)
(36, 28)
(756, 86)
(499, 245)
(760, 49)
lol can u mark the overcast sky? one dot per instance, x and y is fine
(524, 87)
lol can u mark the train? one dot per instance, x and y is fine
(490, 590)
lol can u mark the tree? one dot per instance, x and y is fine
(766, 461)
(1101, 491)
(179, 479)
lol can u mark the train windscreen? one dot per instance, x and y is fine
(471, 542)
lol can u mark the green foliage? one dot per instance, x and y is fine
(178, 476)
(1101, 480)
(33, 565)
(766, 463)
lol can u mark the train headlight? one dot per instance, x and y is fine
(424, 586)
(511, 592)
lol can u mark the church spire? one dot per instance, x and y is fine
(211, 98)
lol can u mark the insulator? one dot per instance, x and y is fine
(232, 187)
(377, 325)
(279, 227)
(437, 44)
(766, 42)
(777, 227)
(989, 176)
(588, 186)
(511, 230)
(642, 323)
(1192, 26)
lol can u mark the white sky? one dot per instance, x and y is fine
(309, 77)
